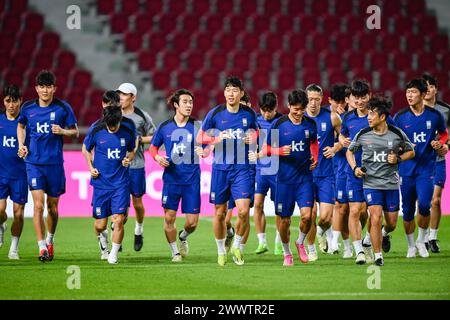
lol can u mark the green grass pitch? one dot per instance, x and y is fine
(150, 274)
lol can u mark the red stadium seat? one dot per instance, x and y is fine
(402, 60)
(336, 76)
(308, 24)
(284, 24)
(332, 60)
(260, 23)
(95, 97)
(309, 59)
(76, 98)
(320, 7)
(249, 41)
(119, 22)
(7, 40)
(414, 42)
(236, 23)
(27, 41)
(439, 43)
(203, 41)
(181, 41)
(224, 7)
(343, 7)
(153, 7)
(274, 41)
(11, 23)
(43, 61)
(239, 60)
(208, 79)
(133, 41)
(34, 22)
(194, 59)
(248, 7)
(388, 80)
(62, 80)
(415, 7)
(320, 41)
(402, 24)
(428, 23)
(226, 41)
(21, 61)
(147, 59)
(156, 40)
(13, 77)
(190, 22)
(296, 42)
(260, 80)
(378, 60)
(185, 79)
(213, 22)
(170, 60)
(263, 59)
(18, 6)
(391, 8)
(130, 7)
(355, 60)
(389, 41)
(217, 60)
(426, 61)
(272, 7)
(286, 59)
(105, 7)
(286, 79)
(161, 79)
(296, 7)
(343, 41)
(446, 61)
(331, 24)
(166, 22)
(143, 22)
(310, 75)
(81, 79)
(200, 7)
(355, 22)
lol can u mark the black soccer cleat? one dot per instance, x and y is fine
(379, 262)
(43, 256)
(434, 246)
(138, 242)
(427, 246)
(386, 243)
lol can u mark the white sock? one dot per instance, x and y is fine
(427, 235)
(286, 249)
(139, 229)
(329, 234)
(174, 248)
(49, 239)
(357, 244)
(301, 237)
(221, 246)
(230, 232)
(242, 247)
(378, 255)
(383, 232)
(184, 234)
(319, 231)
(347, 245)
(433, 234)
(237, 241)
(14, 244)
(311, 248)
(103, 238)
(366, 240)
(115, 249)
(42, 245)
(335, 239)
(410, 239)
(421, 236)
(262, 238)
(277, 238)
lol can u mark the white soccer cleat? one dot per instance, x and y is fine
(104, 255)
(312, 256)
(112, 259)
(2, 232)
(360, 258)
(323, 244)
(333, 250)
(423, 252)
(13, 255)
(177, 258)
(368, 253)
(184, 248)
(412, 251)
(348, 253)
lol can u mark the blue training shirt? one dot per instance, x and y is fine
(109, 151)
(45, 147)
(264, 126)
(421, 130)
(179, 143)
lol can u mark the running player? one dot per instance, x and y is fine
(420, 123)
(145, 129)
(328, 124)
(232, 129)
(440, 170)
(181, 170)
(294, 139)
(13, 177)
(380, 144)
(114, 146)
(49, 119)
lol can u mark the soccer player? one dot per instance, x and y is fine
(232, 128)
(13, 177)
(328, 123)
(145, 129)
(294, 139)
(380, 144)
(440, 170)
(114, 147)
(48, 119)
(181, 170)
(426, 129)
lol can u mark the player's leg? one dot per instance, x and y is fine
(3, 218)
(120, 203)
(117, 238)
(190, 206)
(326, 198)
(259, 219)
(219, 227)
(304, 197)
(424, 188)
(391, 208)
(101, 231)
(376, 215)
(171, 197)
(52, 222)
(435, 219)
(137, 188)
(38, 222)
(311, 236)
(409, 197)
(19, 196)
(230, 229)
(242, 223)
(283, 225)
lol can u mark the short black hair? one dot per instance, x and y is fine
(111, 97)
(430, 79)
(314, 87)
(12, 91)
(419, 84)
(298, 97)
(112, 115)
(45, 78)
(234, 82)
(360, 88)
(380, 105)
(338, 92)
(246, 97)
(175, 96)
(268, 101)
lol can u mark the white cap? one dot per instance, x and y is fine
(127, 88)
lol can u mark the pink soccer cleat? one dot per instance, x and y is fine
(302, 252)
(288, 261)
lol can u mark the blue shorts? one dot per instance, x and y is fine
(287, 195)
(107, 202)
(264, 183)
(388, 199)
(324, 189)
(15, 189)
(419, 188)
(341, 190)
(355, 191)
(50, 178)
(189, 194)
(440, 174)
(236, 184)
(137, 182)
(232, 204)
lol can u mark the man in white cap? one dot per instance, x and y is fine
(145, 129)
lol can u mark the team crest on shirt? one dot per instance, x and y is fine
(390, 144)
(213, 196)
(324, 126)
(33, 182)
(164, 200)
(52, 116)
(369, 197)
(122, 142)
(98, 211)
(350, 194)
(244, 122)
(428, 124)
(189, 138)
(280, 207)
(340, 194)
(307, 134)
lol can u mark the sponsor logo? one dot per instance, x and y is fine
(418, 138)
(42, 128)
(9, 142)
(113, 154)
(380, 156)
(299, 146)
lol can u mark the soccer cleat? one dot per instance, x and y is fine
(423, 252)
(369, 253)
(262, 248)
(386, 243)
(113, 259)
(288, 260)
(13, 255)
(43, 255)
(177, 258)
(434, 246)
(228, 241)
(184, 246)
(427, 245)
(348, 253)
(302, 252)
(2, 232)
(323, 244)
(222, 259)
(237, 256)
(379, 262)
(138, 242)
(360, 258)
(104, 255)
(51, 251)
(278, 251)
(112, 233)
(312, 256)
(333, 250)
(412, 251)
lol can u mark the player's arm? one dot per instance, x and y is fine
(21, 134)
(440, 144)
(394, 158)
(88, 156)
(161, 160)
(336, 121)
(344, 140)
(267, 150)
(71, 132)
(128, 158)
(352, 162)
